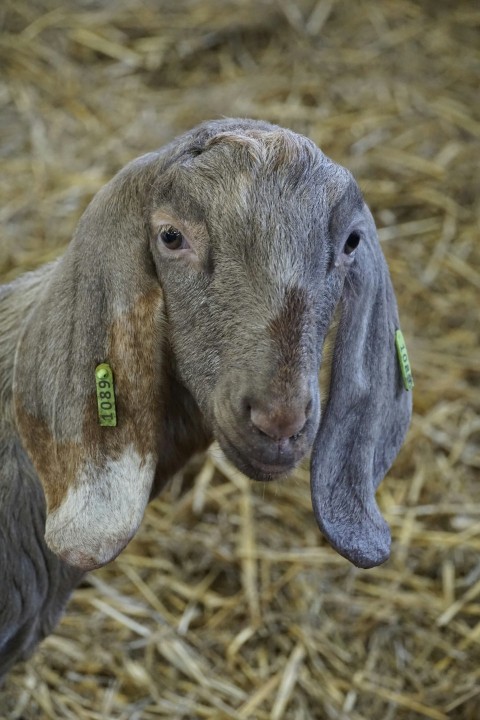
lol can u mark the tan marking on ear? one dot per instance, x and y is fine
(134, 352)
(135, 346)
(325, 376)
(57, 464)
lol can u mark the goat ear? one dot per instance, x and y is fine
(101, 303)
(367, 413)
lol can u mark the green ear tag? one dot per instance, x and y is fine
(403, 360)
(107, 413)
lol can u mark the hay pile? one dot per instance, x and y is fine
(229, 604)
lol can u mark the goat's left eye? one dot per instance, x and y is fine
(172, 238)
(351, 244)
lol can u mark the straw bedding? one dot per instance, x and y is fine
(229, 604)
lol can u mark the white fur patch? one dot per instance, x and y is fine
(102, 513)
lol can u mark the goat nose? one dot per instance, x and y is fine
(279, 423)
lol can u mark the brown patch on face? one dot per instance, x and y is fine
(287, 329)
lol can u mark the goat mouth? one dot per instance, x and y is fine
(254, 467)
(266, 472)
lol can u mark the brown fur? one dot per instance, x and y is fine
(289, 327)
(58, 464)
(135, 348)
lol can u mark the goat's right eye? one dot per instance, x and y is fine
(172, 238)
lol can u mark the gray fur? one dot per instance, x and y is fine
(237, 348)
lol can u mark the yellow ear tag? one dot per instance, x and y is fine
(107, 412)
(403, 361)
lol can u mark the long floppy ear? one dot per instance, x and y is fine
(101, 303)
(367, 413)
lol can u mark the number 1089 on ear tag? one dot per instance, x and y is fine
(107, 412)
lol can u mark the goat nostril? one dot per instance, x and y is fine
(246, 408)
(280, 425)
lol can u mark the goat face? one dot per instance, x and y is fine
(251, 273)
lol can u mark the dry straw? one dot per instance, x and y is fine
(228, 604)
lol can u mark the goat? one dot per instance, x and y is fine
(205, 278)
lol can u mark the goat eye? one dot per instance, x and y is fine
(172, 238)
(351, 244)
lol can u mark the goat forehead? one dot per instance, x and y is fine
(264, 243)
(263, 200)
(254, 174)
(262, 227)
